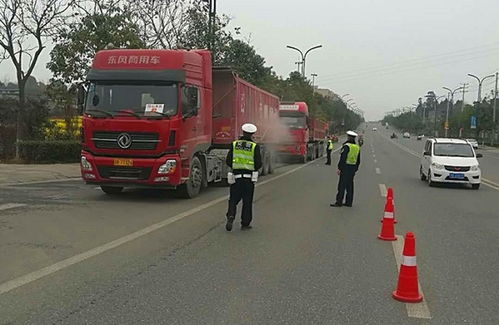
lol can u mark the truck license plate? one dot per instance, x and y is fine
(123, 162)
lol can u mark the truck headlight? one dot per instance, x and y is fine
(437, 166)
(168, 168)
(474, 168)
(85, 165)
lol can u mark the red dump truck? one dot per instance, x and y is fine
(166, 119)
(306, 136)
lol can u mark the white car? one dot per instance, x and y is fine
(450, 161)
(473, 142)
(407, 135)
(375, 129)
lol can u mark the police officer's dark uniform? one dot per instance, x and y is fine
(329, 149)
(347, 167)
(244, 158)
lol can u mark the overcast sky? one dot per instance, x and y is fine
(385, 53)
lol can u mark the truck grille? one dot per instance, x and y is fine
(140, 141)
(457, 168)
(129, 173)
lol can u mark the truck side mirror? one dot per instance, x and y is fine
(80, 94)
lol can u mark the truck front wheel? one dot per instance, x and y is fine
(111, 189)
(191, 188)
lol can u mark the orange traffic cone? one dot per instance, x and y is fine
(389, 196)
(407, 287)
(387, 228)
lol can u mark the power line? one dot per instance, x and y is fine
(402, 69)
(457, 53)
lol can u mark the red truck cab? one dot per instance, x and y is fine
(306, 137)
(146, 114)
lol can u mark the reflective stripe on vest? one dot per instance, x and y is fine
(353, 154)
(330, 145)
(243, 155)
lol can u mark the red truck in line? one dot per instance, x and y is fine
(307, 136)
(166, 119)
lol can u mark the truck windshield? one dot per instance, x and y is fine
(453, 150)
(142, 99)
(294, 122)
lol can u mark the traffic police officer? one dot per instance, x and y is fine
(329, 149)
(245, 159)
(347, 167)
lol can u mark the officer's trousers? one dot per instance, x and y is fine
(345, 184)
(328, 155)
(242, 189)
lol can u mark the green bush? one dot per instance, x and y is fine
(55, 151)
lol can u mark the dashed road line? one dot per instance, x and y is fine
(382, 189)
(7, 206)
(375, 161)
(65, 263)
(414, 310)
(378, 171)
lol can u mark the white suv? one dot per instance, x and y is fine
(450, 161)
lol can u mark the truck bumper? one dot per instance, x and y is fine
(130, 171)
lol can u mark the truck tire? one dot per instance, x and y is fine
(191, 188)
(111, 190)
(475, 186)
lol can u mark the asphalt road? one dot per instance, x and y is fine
(72, 255)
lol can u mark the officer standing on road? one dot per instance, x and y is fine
(245, 159)
(347, 167)
(329, 149)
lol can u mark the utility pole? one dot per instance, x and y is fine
(313, 80)
(494, 112)
(298, 64)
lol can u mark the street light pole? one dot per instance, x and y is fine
(480, 82)
(494, 112)
(451, 95)
(303, 56)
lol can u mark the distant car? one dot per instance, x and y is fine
(420, 137)
(450, 161)
(473, 142)
(393, 136)
(406, 135)
(375, 129)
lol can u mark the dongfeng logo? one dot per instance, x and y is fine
(124, 140)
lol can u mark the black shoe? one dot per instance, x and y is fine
(228, 225)
(248, 227)
(336, 205)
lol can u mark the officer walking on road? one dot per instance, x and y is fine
(245, 159)
(347, 167)
(329, 149)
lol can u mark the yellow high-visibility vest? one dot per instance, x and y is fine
(243, 155)
(330, 145)
(353, 154)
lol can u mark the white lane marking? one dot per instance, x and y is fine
(7, 206)
(417, 310)
(485, 181)
(43, 272)
(374, 156)
(378, 171)
(375, 161)
(382, 189)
